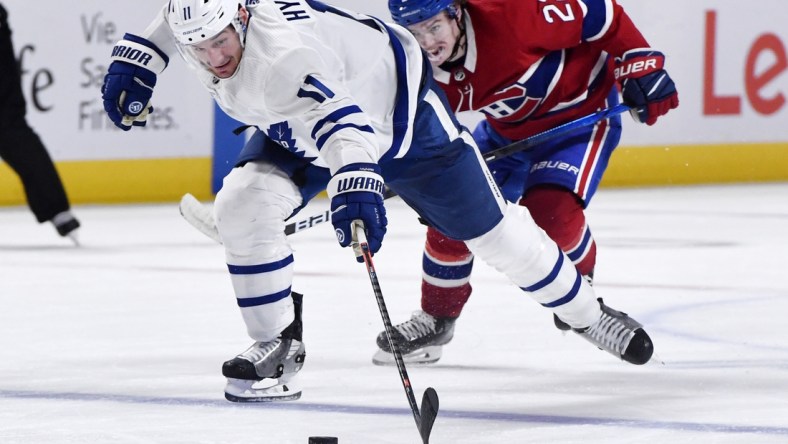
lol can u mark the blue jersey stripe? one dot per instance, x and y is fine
(309, 80)
(335, 117)
(322, 140)
(400, 117)
(322, 7)
(314, 95)
(596, 21)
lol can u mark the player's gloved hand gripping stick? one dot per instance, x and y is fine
(201, 217)
(356, 193)
(645, 85)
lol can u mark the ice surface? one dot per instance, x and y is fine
(121, 340)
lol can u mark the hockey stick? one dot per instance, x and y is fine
(200, 216)
(202, 219)
(425, 417)
(528, 143)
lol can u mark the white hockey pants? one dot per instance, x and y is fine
(250, 212)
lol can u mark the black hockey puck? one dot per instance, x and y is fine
(323, 440)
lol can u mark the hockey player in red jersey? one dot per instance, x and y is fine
(528, 66)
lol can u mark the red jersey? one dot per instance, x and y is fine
(531, 65)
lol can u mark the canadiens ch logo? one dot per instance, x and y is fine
(518, 101)
(511, 105)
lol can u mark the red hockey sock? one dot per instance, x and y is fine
(559, 213)
(447, 265)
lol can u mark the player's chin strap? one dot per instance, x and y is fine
(462, 40)
(201, 216)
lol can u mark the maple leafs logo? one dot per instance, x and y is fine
(282, 134)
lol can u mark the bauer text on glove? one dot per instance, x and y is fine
(645, 85)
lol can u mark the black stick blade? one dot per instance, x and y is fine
(429, 411)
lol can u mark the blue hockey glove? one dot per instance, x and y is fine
(356, 193)
(128, 84)
(645, 85)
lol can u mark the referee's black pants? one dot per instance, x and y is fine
(20, 146)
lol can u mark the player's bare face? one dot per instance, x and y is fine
(437, 36)
(220, 54)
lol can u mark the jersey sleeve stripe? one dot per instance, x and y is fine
(310, 80)
(597, 20)
(322, 91)
(322, 140)
(317, 97)
(335, 117)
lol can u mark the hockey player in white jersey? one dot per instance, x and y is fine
(341, 102)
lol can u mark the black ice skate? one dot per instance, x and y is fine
(420, 340)
(266, 371)
(66, 225)
(616, 333)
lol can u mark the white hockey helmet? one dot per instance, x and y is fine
(194, 21)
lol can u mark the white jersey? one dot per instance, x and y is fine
(328, 84)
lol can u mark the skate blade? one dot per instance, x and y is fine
(656, 360)
(422, 356)
(244, 390)
(74, 237)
